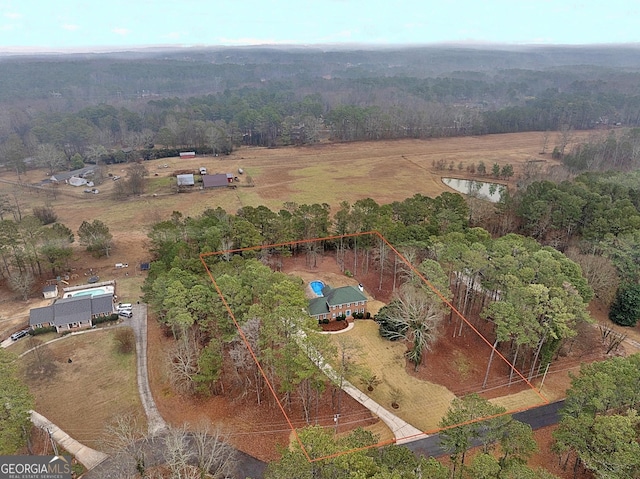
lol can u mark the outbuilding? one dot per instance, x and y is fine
(214, 181)
(186, 180)
(50, 292)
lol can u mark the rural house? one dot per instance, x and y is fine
(335, 302)
(65, 176)
(73, 313)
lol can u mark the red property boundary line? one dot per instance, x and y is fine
(415, 271)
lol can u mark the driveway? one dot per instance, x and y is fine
(138, 323)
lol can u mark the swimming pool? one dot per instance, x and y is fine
(317, 287)
(90, 292)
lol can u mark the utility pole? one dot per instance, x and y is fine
(53, 443)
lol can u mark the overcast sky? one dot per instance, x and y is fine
(113, 24)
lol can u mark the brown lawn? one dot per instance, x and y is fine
(82, 395)
(330, 173)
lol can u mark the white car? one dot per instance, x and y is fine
(19, 334)
(126, 313)
(122, 306)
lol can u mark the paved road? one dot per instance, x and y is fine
(138, 322)
(537, 418)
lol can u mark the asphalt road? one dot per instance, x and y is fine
(537, 418)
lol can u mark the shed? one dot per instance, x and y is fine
(186, 180)
(50, 292)
(187, 154)
(229, 177)
(214, 181)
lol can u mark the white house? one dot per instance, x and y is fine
(77, 181)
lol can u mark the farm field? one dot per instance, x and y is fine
(327, 173)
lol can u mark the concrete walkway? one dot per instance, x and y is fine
(155, 423)
(403, 432)
(89, 458)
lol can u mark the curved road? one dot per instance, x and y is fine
(537, 418)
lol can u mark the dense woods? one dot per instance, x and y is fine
(525, 268)
(213, 100)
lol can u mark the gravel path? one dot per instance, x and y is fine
(138, 322)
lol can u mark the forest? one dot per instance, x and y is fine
(526, 267)
(108, 107)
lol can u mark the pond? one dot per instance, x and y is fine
(478, 189)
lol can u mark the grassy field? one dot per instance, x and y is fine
(422, 404)
(82, 395)
(327, 173)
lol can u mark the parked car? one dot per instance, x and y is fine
(126, 313)
(20, 334)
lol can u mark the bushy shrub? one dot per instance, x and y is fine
(44, 330)
(45, 214)
(625, 309)
(104, 319)
(391, 330)
(125, 340)
(341, 317)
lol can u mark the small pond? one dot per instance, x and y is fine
(478, 189)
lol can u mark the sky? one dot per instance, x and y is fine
(83, 25)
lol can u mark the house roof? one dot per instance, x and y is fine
(65, 175)
(318, 306)
(102, 304)
(72, 310)
(334, 297)
(214, 181)
(186, 180)
(41, 315)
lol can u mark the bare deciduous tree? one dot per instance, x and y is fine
(22, 283)
(600, 273)
(213, 453)
(204, 453)
(247, 371)
(416, 318)
(182, 362)
(125, 438)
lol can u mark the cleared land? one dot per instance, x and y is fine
(329, 173)
(82, 395)
(326, 173)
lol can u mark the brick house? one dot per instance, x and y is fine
(70, 314)
(335, 302)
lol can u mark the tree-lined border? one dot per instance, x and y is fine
(415, 271)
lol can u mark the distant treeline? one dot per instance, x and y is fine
(220, 99)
